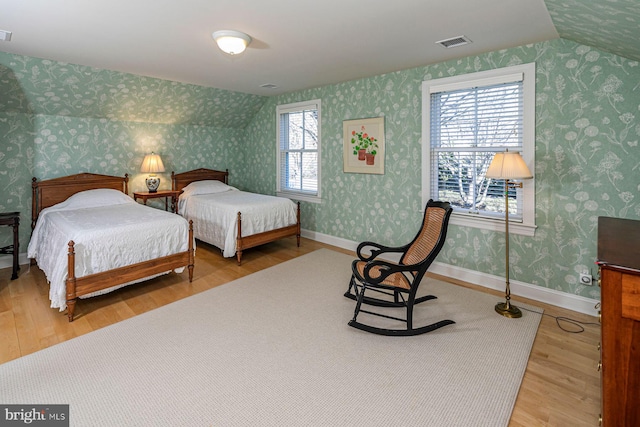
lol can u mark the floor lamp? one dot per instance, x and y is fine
(507, 166)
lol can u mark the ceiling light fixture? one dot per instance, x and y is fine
(231, 42)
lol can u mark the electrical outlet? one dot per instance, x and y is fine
(586, 279)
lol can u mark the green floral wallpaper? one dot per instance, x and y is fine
(587, 161)
(41, 86)
(610, 25)
(57, 119)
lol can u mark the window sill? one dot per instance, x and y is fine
(492, 224)
(300, 197)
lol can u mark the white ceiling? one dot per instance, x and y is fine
(296, 44)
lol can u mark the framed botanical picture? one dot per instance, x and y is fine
(363, 145)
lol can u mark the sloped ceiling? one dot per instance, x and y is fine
(40, 86)
(609, 25)
(129, 61)
(296, 44)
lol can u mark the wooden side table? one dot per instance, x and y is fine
(166, 194)
(12, 219)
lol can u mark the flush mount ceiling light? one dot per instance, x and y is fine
(231, 42)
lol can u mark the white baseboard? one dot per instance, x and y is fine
(549, 296)
(330, 240)
(526, 290)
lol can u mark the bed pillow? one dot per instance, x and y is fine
(206, 187)
(96, 198)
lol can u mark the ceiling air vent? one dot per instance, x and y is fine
(5, 36)
(454, 42)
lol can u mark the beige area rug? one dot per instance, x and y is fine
(274, 349)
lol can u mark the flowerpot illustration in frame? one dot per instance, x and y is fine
(363, 145)
(370, 159)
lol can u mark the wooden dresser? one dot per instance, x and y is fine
(619, 262)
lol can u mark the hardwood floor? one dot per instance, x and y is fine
(561, 386)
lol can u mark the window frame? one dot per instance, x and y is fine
(292, 108)
(485, 78)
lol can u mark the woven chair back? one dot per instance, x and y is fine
(427, 239)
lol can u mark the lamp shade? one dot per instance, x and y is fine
(508, 165)
(152, 163)
(231, 42)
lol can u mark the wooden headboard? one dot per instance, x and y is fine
(181, 180)
(52, 191)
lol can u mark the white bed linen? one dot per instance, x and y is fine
(215, 216)
(105, 238)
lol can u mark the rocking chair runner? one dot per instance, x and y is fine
(399, 280)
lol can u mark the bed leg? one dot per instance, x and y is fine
(71, 281)
(71, 307)
(298, 219)
(239, 238)
(191, 251)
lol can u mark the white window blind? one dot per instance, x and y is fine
(468, 126)
(299, 148)
(466, 120)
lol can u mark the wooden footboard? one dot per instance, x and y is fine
(53, 191)
(246, 242)
(180, 180)
(80, 286)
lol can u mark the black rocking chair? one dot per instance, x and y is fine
(399, 280)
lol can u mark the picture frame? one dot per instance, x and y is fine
(364, 145)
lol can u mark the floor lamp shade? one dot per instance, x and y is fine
(508, 165)
(152, 164)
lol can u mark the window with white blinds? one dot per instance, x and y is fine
(469, 119)
(298, 134)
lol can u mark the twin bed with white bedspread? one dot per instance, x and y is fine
(89, 237)
(99, 239)
(230, 219)
(206, 200)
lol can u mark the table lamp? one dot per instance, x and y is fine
(152, 164)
